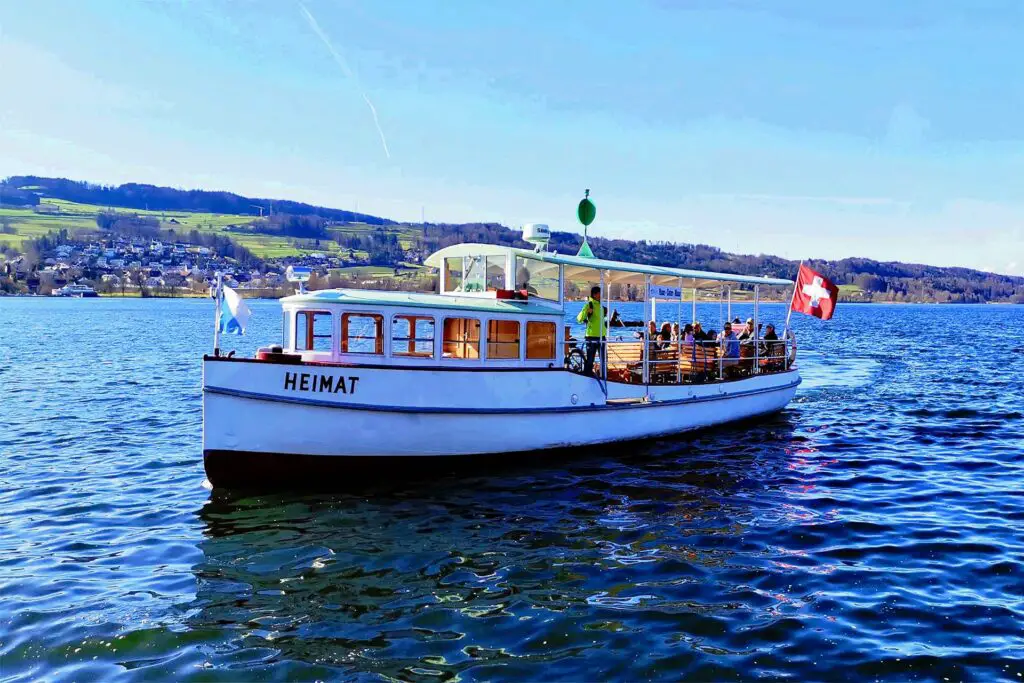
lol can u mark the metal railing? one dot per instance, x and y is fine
(642, 361)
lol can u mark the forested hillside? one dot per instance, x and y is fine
(386, 243)
(31, 189)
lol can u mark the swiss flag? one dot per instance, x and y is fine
(814, 294)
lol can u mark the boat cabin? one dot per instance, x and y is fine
(415, 329)
(502, 307)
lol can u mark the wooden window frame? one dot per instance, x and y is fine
(504, 344)
(445, 341)
(309, 343)
(554, 339)
(378, 345)
(412, 339)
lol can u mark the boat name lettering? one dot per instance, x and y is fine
(322, 384)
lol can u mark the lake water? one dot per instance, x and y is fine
(875, 529)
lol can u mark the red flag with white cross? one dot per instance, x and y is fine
(814, 294)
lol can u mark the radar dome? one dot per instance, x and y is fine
(537, 234)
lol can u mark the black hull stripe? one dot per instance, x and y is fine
(237, 393)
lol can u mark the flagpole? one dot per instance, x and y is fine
(216, 315)
(789, 313)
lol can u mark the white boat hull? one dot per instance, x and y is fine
(259, 413)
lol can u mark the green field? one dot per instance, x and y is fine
(365, 271)
(27, 224)
(30, 225)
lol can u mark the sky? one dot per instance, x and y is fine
(807, 129)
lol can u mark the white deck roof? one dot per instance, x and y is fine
(578, 267)
(366, 297)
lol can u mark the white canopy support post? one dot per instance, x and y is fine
(721, 360)
(603, 342)
(694, 316)
(679, 334)
(721, 304)
(218, 297)
(757, 331)
(649, 307)
(728, 293)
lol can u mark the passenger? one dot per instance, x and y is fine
(675, 332)
(774, 350)
(698, 333)
(592, 318)
(665, 336)
(747, 334)
(730, 346)
(688, 334)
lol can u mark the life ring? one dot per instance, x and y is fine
(792, 349)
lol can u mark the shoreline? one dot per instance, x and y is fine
(277, 298)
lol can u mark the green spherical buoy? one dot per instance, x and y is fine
(586, 211)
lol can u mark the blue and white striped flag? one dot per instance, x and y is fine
(234, 314)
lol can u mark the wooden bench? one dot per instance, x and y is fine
(691, 364)
(773, 357)
(698, 361)
(664, 367)
(623, 360)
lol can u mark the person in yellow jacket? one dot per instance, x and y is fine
(593, 316)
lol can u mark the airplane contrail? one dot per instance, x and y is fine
(345, 69)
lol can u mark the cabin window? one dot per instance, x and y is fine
(453, 274)
(476, 274)
(502, 339)
(362, 333)
(537, 278)
(495, 273)
(461, 338)
(412, 335)
(313, 331)
(285, 328)
(540, 340)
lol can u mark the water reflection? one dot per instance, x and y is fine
(530, 566)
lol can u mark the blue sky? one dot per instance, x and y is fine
(881, 129)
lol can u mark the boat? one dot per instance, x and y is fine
(370, 383)
(75, 290)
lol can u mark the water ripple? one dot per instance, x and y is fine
(870, 531)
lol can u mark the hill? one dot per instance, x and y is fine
(31, 207)
(29, 190)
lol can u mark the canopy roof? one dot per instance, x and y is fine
(579, 267)
(363, 297)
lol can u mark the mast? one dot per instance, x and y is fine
(216, 314)
(586, 212)
(789, 313)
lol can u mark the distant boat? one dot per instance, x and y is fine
(371, 381)
(77, 291)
